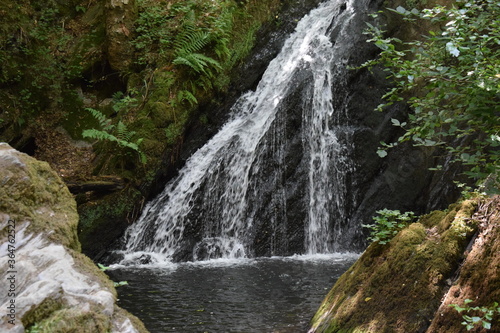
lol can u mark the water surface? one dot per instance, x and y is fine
(244, 295)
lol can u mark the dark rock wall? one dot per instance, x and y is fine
(400, 181)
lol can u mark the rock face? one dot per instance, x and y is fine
(120, 16)
(404, 286)
(48, 282)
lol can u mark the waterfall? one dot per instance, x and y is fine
(209, 208)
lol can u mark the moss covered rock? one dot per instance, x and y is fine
(479, 278)
(398, 287)
(51, 285)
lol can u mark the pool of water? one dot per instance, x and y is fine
(247, 295)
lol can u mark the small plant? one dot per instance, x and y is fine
(102, 267)
(121, 283)
(115, 133)
(484, 319)
(387, 224)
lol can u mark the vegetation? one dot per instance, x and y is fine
(389, 284)
(122, 112)
(54, 66)
(451, 80)
(35, 74)
(387, 224)
(114, 133)
(483, 317)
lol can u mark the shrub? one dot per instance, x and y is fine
(453, 76)
(387, 225)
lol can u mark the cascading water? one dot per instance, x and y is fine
(214, 195)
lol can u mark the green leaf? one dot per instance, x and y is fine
(102, 267)
(401, 10)
(121, 283)
(382, 153)
(395, 122)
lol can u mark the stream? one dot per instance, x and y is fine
(278, 294)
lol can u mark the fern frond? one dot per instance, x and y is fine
(121, 130)
(99, 135)
(190, 40)
(186, 95)
(127, 144)
(198, 62)
(104, 122)
(221, 49)
(205, 83)
(123, 133)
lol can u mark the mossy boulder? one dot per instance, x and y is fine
(52, 286)
(479, 278)
(398, 287)
(32, 191)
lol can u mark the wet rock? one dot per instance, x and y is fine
(52, 285)
(278, 213)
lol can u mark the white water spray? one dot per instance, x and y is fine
(211, 192)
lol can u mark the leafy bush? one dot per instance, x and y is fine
(388, 224)
(453, 76)
(483, 316)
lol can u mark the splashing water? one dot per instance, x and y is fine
(212, 192)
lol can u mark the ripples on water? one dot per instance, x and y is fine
(248, 295)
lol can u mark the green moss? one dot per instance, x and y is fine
(113, 206)
(76, 320)
(398, 287)
(36, 185)
(42, 311)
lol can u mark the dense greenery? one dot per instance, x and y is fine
(35, 74)
(184, 52)
(451, 80)
(56, 64)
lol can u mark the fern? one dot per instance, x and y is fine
(186, 95)
(188, 44)
(198, 62)
(104, 122)
(121, 135)
(205, 83)
(98, 135)
(190, 40)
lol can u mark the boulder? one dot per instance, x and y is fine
(49, 285)
(408, 284)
